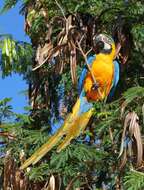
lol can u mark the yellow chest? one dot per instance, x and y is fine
(103, 70)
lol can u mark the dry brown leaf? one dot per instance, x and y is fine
(143, 113)
(13, 178)
(127, 119)
(137, 135)
(132, 131)
(73, 64)
(123, 106)
(51, 185)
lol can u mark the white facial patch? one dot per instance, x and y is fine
(107, 46)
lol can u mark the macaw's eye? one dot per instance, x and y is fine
(99, 46)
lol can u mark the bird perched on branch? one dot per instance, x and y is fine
(97, 82)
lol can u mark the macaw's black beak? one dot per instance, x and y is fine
(98, 47)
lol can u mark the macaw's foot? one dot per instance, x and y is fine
(95, 87)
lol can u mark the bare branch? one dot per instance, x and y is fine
(70, 185)
(8, 135)
(88, 66)
(62, 11)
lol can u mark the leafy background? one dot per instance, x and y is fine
(109, 155)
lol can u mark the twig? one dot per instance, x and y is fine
(111, 135)
(85, 58)
(118, 48)
(87, 183)
(62, 11)
(143, 112)
(39, 65)
(70, 185)
(53, 51)
(8, 135)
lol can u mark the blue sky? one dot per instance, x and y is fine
(13, 23)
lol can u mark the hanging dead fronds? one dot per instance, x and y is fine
(123, 39)
(54, 183)
(131, 142)
(7, 135)
(72, 27)
(143, 113)
(14, 179)
(51, 185)
(57, 49)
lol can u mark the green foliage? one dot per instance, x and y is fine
(5, 109)
(134, 180)
(77, 159)
(134, 92)
(39, 173)
(93, 158)
(16, 57)
(8, 4)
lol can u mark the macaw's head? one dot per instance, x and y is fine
(104, 44)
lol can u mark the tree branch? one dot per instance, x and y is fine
(88, 66)
(62, 11)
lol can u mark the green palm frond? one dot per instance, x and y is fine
(132, 93)
(134, 180)
(8, 4)
(15, 57)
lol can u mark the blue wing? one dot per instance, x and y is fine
(115, 80)
(84, 72)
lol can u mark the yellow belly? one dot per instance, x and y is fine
(103, 70)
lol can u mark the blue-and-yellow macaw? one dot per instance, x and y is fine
(105, 70)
